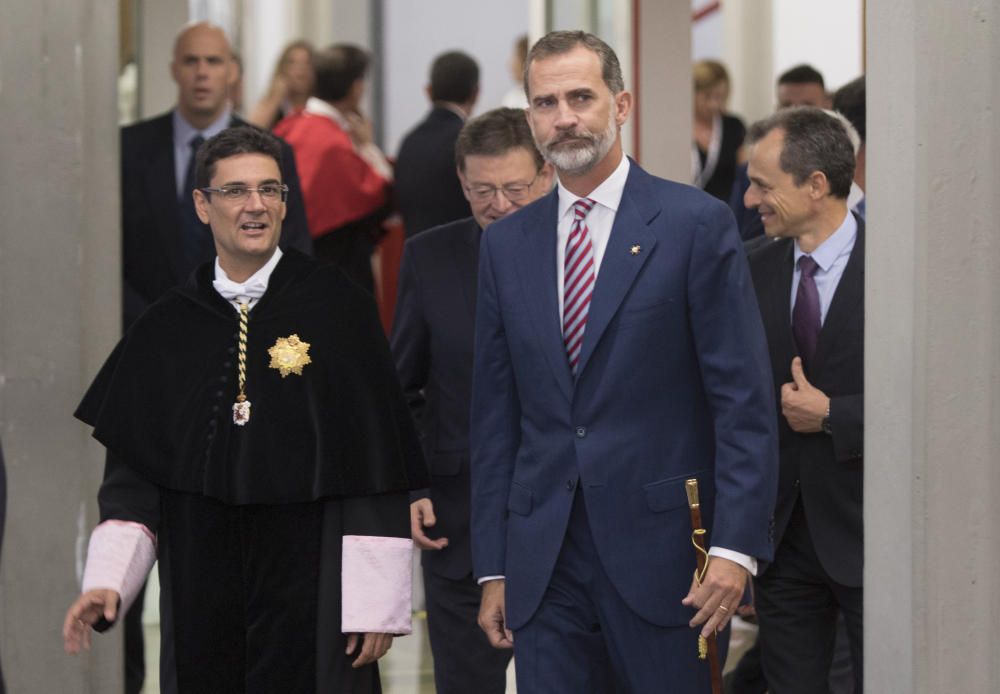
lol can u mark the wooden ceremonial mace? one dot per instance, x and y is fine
(707, 648)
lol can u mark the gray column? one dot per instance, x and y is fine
(664, 91)
(932, 458)
(59, 317)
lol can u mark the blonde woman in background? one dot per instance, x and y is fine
(290, 88)
(718, 137)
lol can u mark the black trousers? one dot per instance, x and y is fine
(464, 660)
(797, 605)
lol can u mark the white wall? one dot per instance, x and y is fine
(416, 32)
(825, 34)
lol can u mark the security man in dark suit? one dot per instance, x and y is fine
(810, 288)
(501, 171)
(427, 191)
(162, 238)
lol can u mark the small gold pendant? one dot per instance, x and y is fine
(241, 412)
(289, 355)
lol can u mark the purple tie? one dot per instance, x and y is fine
(805, 315)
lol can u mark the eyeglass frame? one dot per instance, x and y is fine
(223, 191)
(482, 197)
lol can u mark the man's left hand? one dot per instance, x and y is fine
(718, 596)
(374, 647)
(803, 405)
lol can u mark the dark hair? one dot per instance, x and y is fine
(454, 77)
(802, 74)
(850, 101)
(559, 42)
(495, 133)
(814, 141)
(337, 68)
(243, 139)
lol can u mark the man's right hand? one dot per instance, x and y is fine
(84, 613)
(493, 615)
(422, 516)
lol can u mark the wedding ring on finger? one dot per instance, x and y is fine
(723, 608)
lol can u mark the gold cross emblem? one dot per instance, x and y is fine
(635, 249)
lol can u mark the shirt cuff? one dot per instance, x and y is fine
(376, 586)
(484, 579)
(119, 558)
(744, 560)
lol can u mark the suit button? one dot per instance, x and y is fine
(227, 365)
(215, 408)
(570, 485)
(581, 432)
(232, 350)
(218, 393)
(796, 483)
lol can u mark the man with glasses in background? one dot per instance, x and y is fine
(260, 448)
(501, 171)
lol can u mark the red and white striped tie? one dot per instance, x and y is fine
(578, 281)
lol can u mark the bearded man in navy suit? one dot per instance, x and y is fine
(619, 352)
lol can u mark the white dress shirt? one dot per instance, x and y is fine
(248, 292)
(608, 195)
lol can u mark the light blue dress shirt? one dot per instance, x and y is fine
(183, 133)
(831, 256)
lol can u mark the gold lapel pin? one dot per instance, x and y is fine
(635, 249)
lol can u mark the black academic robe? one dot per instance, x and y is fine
(249, 519)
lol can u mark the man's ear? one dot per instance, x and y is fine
(201, 204)
(819, 185)
(623, 107)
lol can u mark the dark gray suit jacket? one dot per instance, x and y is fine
(432, 344)
(427, 190)
(826, 470)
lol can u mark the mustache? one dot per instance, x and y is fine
(572, 135)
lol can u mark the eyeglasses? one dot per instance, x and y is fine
(269, 192)
(515, 192)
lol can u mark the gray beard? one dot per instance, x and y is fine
(581, 159)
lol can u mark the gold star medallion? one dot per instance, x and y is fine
(635, 249)
(289, 355)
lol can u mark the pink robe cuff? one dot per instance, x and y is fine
(119, 558)
(376, 584)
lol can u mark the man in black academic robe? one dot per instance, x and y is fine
(259, 446)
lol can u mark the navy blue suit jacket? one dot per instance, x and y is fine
(673, 382)
(432, 346)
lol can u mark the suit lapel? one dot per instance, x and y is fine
(848, 299)
(159, 182)
(620, 267)
(538, 277)
(778, 315)
(467, 265)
